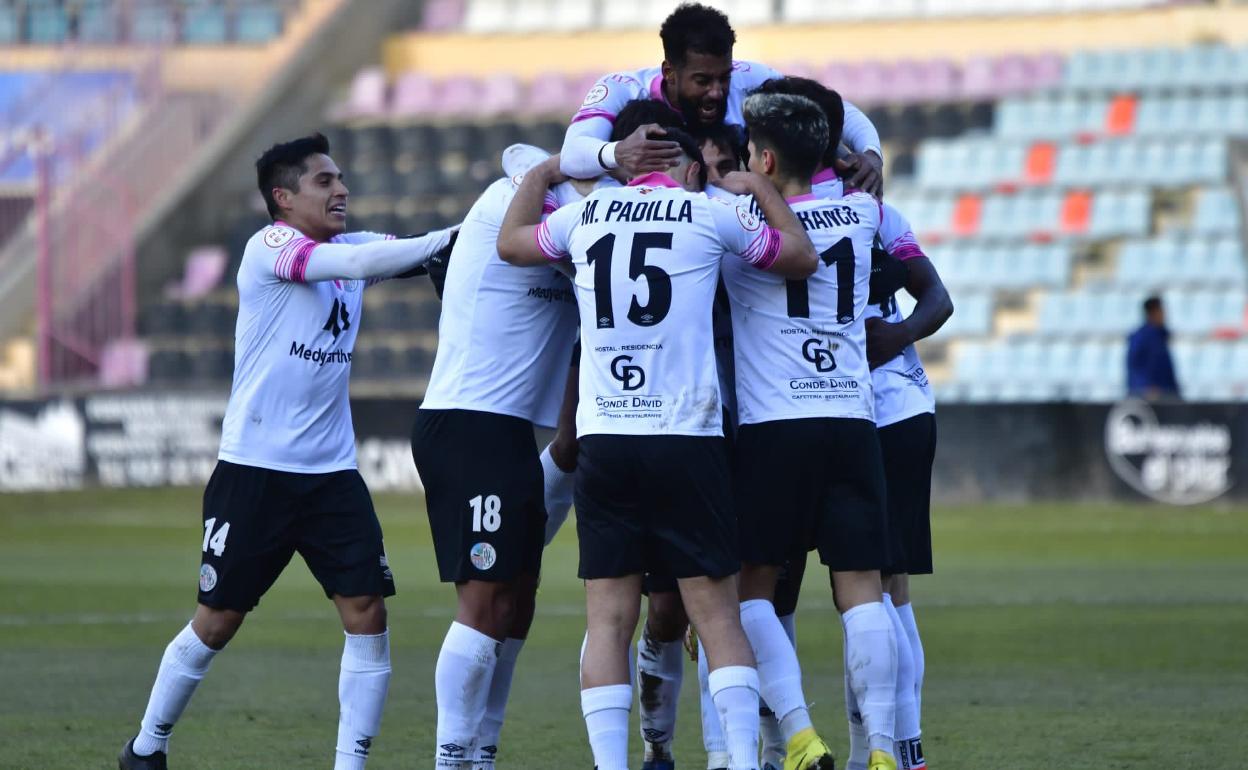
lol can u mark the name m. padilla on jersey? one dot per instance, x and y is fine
(800, 345)
(647, 262)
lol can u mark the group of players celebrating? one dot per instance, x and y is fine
(731, 383)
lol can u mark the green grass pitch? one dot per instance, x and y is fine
(1068, 637)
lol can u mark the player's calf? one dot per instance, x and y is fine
(660, 672)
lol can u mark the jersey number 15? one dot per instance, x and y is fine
(659, 282)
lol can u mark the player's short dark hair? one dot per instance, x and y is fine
(282, 164)
(722, 136)
(793, 127)
(829, 101)
(690, 147)
(696, 28)
(639, 112)
(1152, 305)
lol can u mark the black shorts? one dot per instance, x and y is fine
(483, 491)
(658, 504)
(789, 586)
(255, 519)
(909, 449)
(812, 483)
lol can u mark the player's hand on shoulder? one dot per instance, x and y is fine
(741, 182)
(885, 341)
(645, 150)
(549, 172)
(864, 171)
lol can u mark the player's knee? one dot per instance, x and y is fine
(362, 614)
(758, 581)
(851, 589)
(488, 607)
(665, 617)
(216, 627)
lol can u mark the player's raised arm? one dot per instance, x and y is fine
(520, 238)
(780, 244)
(934, 305)
(306, 261)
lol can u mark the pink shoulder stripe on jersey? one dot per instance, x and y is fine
(653, 179)
(590, 114)
(292, 260)
(656, 90)
(764, 249)
(810, 196)
(546, 245)
(827, 175)
(905, 246)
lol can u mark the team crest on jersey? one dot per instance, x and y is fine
(483, 556)
(207, 578)
(277, 237)
(749, 220)
(596, 95)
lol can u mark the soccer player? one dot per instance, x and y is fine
(809, 470)
(698, 80)
(504, 344)
(286, 478)
(904, 414)
(652, 482)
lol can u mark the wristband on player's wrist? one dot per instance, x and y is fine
(606, 156)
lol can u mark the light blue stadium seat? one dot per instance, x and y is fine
(258, 23)
(151, 24)
(9, 31)
(1227, 263)
(46, 26)
(1211, 164)
(1013, 117)
(1217, 211)
(204, 24)
(972, 318)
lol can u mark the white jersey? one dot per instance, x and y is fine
(647, 259)
(609, 95)
(289, 408)
(902, 389)
(506, 333)
(800, 345)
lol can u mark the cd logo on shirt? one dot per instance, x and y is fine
(631, 376)
(277, 237)
(813, 350)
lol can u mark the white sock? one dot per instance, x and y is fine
(735, 692)
(462, 681)
(606, 719)
(558, 494)
(779, 672)
(660, 669)
(183, 665)
(712, 729)
(858, 753)
(790, 627)
(774, 746)
(906, 613)
(907, 720)
(496, 705)
(363, 680)
(872, 660)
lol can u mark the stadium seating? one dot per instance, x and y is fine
(190, 22)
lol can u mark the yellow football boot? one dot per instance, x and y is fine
(807, 751)
(881, 760)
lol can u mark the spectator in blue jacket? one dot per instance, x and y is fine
(1150, 370)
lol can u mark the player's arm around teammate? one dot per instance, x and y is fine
(286, 480)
